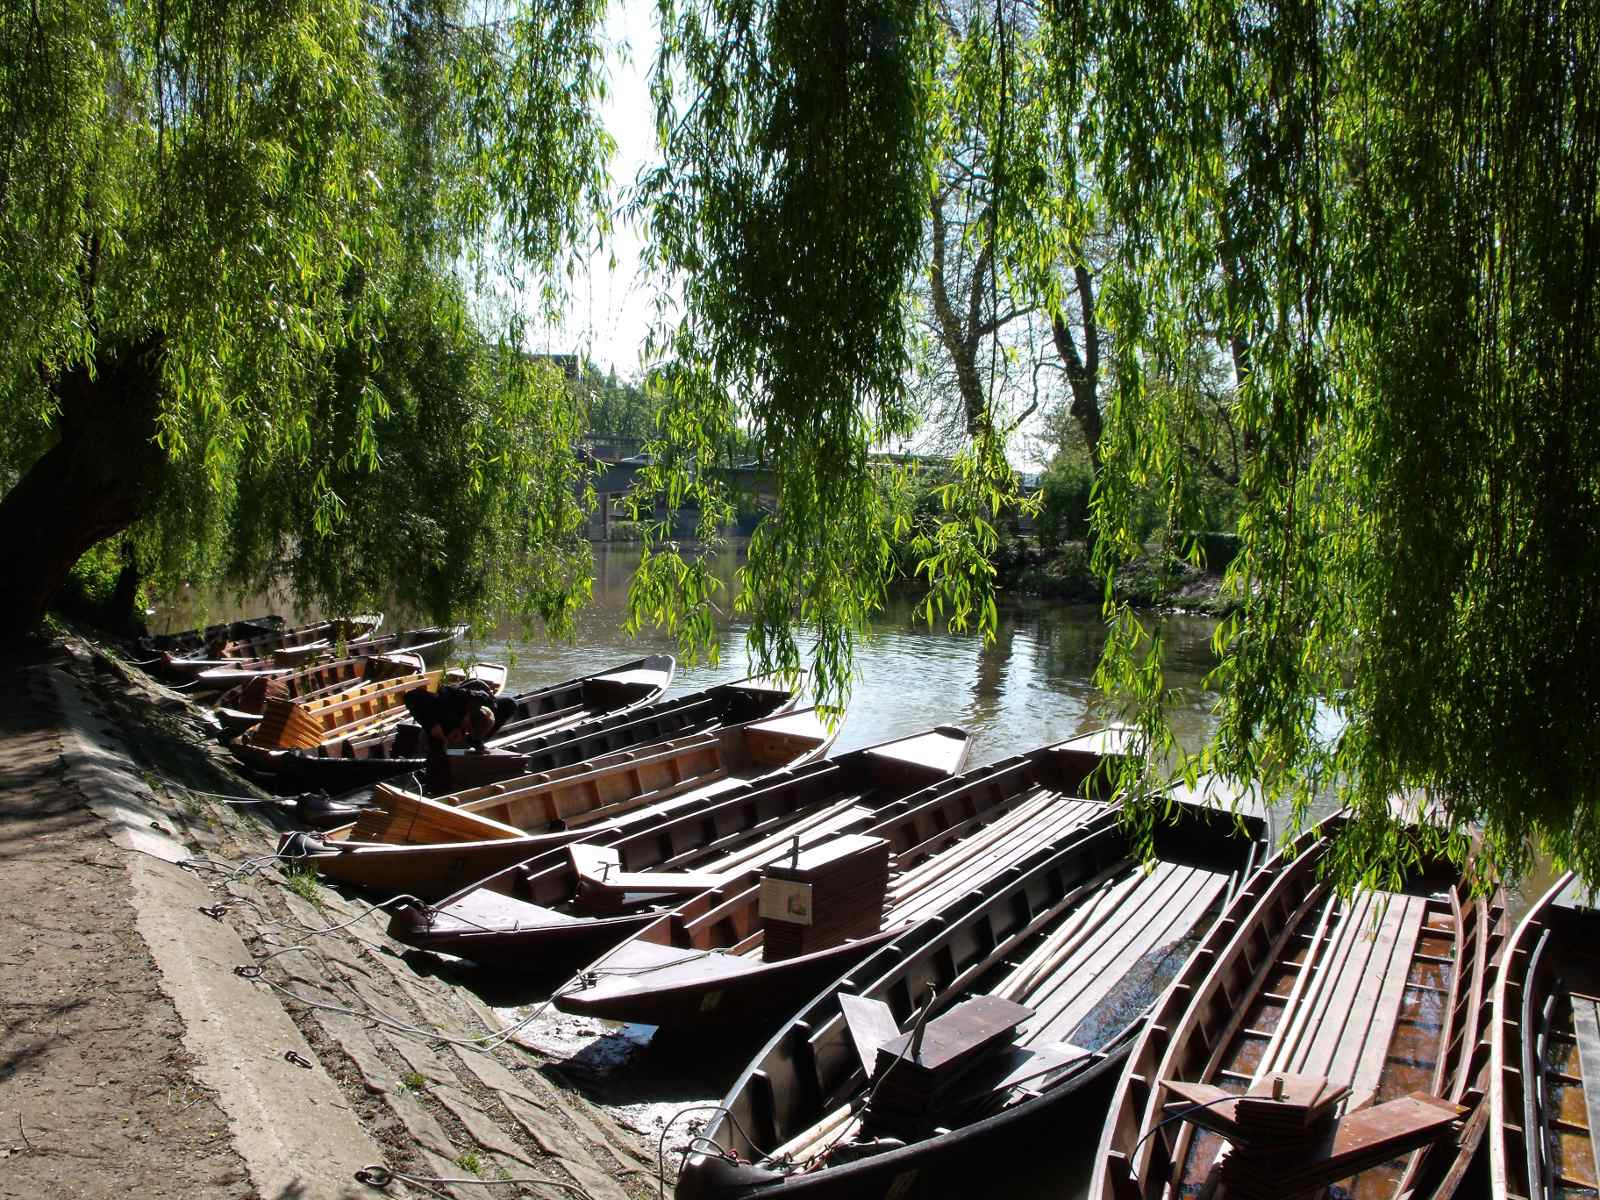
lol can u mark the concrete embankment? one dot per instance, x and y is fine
(185, 1017)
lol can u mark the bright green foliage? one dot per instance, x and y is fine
(266, 194)
(478, 509)
(797, 137)
(1390, 214)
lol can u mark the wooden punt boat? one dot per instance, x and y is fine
(1545, 1091)
(242, 706)
(526, 914)
(740, 702)
(365, 709)
(319, 635)
(707, 961)
(1380, 991)
(1076, 930)
(188, 641)
(432, 645)
(369, 755)
(409, 844)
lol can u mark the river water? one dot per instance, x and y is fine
(1034, 684)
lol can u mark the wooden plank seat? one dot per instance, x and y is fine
(1367, 991)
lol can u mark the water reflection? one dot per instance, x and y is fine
(1033, 684)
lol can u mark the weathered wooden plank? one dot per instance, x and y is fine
(871, 1024)
(1340, 1029)
(1174, 915)
(1586, 1024)
(1375, 1053)
(1109, 941)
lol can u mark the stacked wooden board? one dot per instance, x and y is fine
(827, 896)
(306, 724)
(242, 706)
(915, 1072)
(1290, 1140)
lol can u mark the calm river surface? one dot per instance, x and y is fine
(1033, 685)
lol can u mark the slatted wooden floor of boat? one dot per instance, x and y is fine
(1070, 968)
(1569, 1054)
(1073, 970)
(1035, 821)
(1359, 995)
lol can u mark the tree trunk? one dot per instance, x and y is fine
(94, 482)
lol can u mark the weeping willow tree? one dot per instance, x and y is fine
(224, 231)
(1375, 222)
(797, 142)
(1389, 215)
(244, 251)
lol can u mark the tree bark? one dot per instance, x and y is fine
(99, 477)
(1083, 369)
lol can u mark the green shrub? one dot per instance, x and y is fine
(1064, 495)
(91, 593)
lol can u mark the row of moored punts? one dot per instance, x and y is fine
(945, 959)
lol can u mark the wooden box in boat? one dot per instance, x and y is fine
(1075, 931)
(737, 703)
(429, 848)
(521, 916)
(706, 959)
(1380, 991)
(368, 756)
(1545, 1085)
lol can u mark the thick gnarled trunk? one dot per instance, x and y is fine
(98, 478)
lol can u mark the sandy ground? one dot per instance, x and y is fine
(96, 1094)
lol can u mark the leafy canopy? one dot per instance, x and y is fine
(284, 199)
(1389, 212)
(1378, 221)
(1363, 236)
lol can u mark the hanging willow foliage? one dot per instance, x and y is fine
(797, 137)
(210, 215)
(1389, 214)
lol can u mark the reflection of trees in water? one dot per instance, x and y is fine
(1068, 642)
(992, 661)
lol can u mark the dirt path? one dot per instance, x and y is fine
(96, 1094)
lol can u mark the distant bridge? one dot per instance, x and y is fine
(619, 459)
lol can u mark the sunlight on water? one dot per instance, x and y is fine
(1033, 685)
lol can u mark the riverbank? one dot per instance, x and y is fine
(186, 1017)
(1152, 581)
